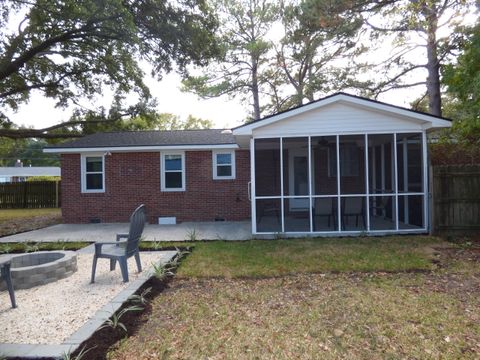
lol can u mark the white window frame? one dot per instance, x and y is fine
(215, 165)
(83, 167)
(163, 171)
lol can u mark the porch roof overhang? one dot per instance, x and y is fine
(395, 115)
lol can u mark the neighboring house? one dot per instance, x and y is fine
(339, 165)
(18, 174)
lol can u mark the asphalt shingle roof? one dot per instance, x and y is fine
(150, 138)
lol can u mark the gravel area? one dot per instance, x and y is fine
(49, 314)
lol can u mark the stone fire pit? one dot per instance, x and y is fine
(42, 267)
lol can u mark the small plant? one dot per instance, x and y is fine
(140, 299)
(172, 264)
(180, 254)
(192, 235)
(156, 244)
(114, 321)
(6, 249)
(80, 355)
(278, 235)
(161, 271)
(60, 244)
(32, 247)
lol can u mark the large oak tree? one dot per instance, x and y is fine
(72, 50)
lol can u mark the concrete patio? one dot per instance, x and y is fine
(240, 230)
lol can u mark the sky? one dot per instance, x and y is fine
(224, 112)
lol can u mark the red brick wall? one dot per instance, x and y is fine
(134, 178)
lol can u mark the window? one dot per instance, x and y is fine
(173, 171)
(223, 165)
(93, 173)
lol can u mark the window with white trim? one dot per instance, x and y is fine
(173, 171)
(93, 173)
(223, 164)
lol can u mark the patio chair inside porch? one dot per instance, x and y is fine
(353, 207)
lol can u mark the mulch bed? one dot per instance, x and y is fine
(102, 340)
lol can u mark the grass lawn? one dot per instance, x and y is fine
(259, 258)
(13, 221)
(16, 214)
(318, 298)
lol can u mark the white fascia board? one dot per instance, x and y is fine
(138, 148)
(429, 121)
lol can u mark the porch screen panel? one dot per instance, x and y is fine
(353, 213)
(381, 179)
(410, 163)
(295, 166)
(382, 212)
(268, 215)
(325, 213)
(324, 165)
(352, 164)
(267, 167)
(410, 212)
(297, 215)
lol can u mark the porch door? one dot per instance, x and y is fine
(298, 179)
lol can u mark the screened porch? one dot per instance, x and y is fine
(373, 183)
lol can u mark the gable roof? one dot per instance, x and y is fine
(147, 140)
(343, 98)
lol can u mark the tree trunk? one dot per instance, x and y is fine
(433, 65)
(256, 100)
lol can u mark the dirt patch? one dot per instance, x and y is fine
(458, 271)
(461, 286)
(463, 253)
(16, 226)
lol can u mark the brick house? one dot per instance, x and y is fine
(339, 165)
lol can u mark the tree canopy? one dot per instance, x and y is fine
(426, 35)
(314, 56)
(74, 50)
(243, 40)
(162, 121)
(463, 87)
